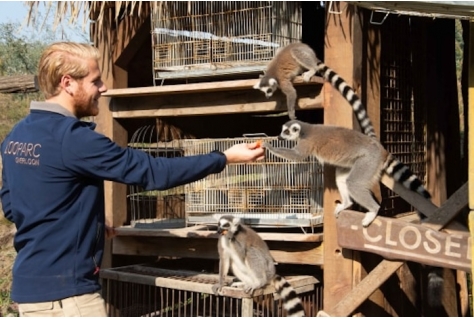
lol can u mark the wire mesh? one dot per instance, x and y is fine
(273, 192)
(402, 124)
(199, 36)
(155, 209)
(142, 291)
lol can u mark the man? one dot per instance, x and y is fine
(54, 166)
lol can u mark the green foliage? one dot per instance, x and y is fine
(14, 107)
(18, 55)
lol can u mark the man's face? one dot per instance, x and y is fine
(88, 91)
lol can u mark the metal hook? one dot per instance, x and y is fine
(330, 9)
(381, 22)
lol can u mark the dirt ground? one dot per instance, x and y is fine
(7, 257)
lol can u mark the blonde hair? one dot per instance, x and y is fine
(60, 59)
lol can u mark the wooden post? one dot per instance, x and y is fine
(339, 263)
(471, 139)
(112, 47)
(247, 307)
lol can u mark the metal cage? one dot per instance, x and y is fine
(274, 192)
(155, 209)
(148, 291)
(206, 38)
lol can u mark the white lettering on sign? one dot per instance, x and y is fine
(396, 239)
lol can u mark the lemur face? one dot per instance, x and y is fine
(290, 131)
(227, 224)
(267, 86)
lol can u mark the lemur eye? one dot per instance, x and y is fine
(294, 129)
(269, 90)
(286, 131)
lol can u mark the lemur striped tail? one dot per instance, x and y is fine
(291, 302)
(400, 172)
(393, 167)
(351, 96)
(403, 175)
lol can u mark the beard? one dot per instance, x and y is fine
(85, 105)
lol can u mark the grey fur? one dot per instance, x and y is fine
(298, 58)
(246, 253)
(358, 158)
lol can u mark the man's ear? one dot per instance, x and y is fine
(67, 83)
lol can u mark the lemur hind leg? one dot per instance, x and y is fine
(341, 181)
(359, 184)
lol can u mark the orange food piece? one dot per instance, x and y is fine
(259, 143)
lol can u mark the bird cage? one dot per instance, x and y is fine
(208, 38)
(155, 209)
(149, 291)
(272, 192)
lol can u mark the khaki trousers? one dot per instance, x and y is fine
(88, 305)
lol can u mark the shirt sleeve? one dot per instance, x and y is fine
(5, 198)
(89, 153)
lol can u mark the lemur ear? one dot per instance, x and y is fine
(272, 82)
(236, 220)
(257, 85)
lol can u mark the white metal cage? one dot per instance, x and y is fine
(148, 291)
(273, 192)
(156, 209)
(205, 38)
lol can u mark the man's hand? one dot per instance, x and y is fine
(244, 153)
(109, 232)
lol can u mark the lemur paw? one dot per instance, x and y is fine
(307, 76)
(217, 289)
(339, 208)
(266, 145)
(368, 219)
(237, 284)
(249, 290)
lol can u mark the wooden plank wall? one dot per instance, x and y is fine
(341, 266)
(471, 142)
(112, 46)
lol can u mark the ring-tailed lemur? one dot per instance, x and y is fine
(359, 161)
(291, 61)
(358, 158)
(246, 253)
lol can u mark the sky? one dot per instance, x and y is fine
(16, 12)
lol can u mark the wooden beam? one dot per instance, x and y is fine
(426, 207)
(19, 84)
(376, 277)
(309, 253)
(423, 205)
(341, 267)
(195, 281)
(449, 209)
(363, 290)
(209, 101)
(396, 239)
(202, 87)
(180, 106)
(195, 232)
(470, 130)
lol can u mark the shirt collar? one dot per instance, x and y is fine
(50, 107)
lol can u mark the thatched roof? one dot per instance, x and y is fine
(90, 11)
(73, 10)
